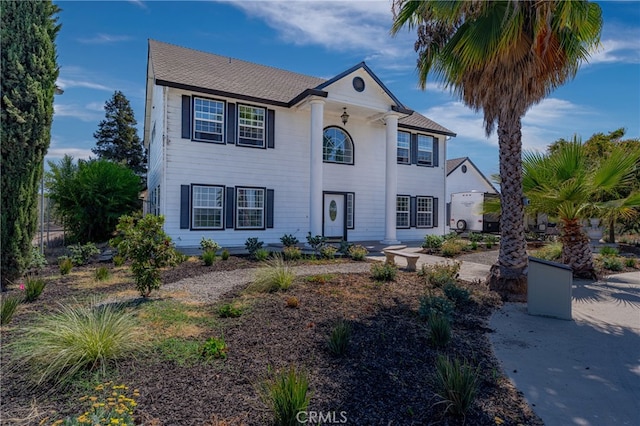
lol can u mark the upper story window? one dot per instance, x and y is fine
(207, 207)
(208, 120)
(251, 125)
(404, 145)
(337, 146)
(425, 150)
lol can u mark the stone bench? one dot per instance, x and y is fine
(412, 259)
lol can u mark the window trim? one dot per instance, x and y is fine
(418, 198)
(192, 206)
(237, 209)
(353, 150)
(223, 124)
(351, 217)
(418, 162)
(408, 211)
(264, 127)
(408, 161)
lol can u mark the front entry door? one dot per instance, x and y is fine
(335, 225)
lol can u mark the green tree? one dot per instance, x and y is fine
(565, 185)
(28, 83)
(502, 57)
(117, 139)
(90, 196)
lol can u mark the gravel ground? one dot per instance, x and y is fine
(483, 257)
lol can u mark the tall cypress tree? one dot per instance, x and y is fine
(117, 139)
(29, 73)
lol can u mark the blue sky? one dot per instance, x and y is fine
(102, 47)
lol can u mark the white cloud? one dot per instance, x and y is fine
(95, 106)
(54, 154)
(75, 111)
(139, 3)
(104, 39)
(625, 50)
(65, 84)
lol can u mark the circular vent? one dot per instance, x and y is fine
(358, 84)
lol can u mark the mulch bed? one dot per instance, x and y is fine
(386, 377)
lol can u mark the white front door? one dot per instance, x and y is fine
(334, 216)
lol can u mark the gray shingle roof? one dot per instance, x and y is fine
(189, 68)
(454, 163)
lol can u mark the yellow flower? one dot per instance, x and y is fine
(93, 398)
(498, 420)
(43, 421)
(115, 421)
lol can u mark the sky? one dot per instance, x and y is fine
(102, 47)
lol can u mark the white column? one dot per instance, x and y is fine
(391, 179)
(315, 167)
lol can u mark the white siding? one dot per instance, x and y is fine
(472, 180)
(155, 169)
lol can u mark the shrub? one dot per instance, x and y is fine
(144, 242)
(612, 263)
(457, 383)
(383, 272)
(33, 288)
(473, 245)
(451, 236)
(74, 339)
(316, 242)
(630, 262)
(451, 247)
(490, 240)
(82, 254)
(475, 237)
(339, 338)
(207, 244)
(551, 251)
(8, 307)
(432, 243)
(65, 264)
(209, 256)
(252, 245)
(225, 254)
(102, 273)
(118, 260)
(358, 252)
(108, 403)
(440, 274)
(292, 302)
(261, 254)
(435, 305)
(37, 260)
(328, 252)
(292, 253)
(439, 330)
(228, 310)
(458, 295)
(286, 395)
(344, 248)
(609, 251)
(275, 276)
(288, 240)
(214, 347)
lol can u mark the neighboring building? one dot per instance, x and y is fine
(239, 150)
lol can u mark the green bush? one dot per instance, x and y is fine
(207, 244)
(274, 277)
(292, 253)
(8, 307)
(102, 273)
(458, 295)
(358, 252)
(118, 260)
(286, 395)
(612, 263)
(475, 237)
(328, 252)
(339, 338)
(451, 247)
(75, 339)
(91, 195)
(432, 242)
(609, 251)
(65, 264)
(225, 254)
(144, 242)
(435, 305)
(473, 245)
(33, 288)
(490, 240)
(252, 245)
(630, 262)
(261, 254)
(344, 248)
(551, 251)
(37, 260)
(440, 274)
(214, 347)
(209, 256)
(81, 254)
(383, 272)
(228, 310)
(439, 330)
(288, 240)
(457, 385)
(316, 242)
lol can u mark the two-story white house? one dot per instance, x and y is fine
(239, 150)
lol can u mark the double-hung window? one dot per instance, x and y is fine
(208, 120)
(250, 208)
(251, 122)
(424, 212)
(207, 207)
(404, 144)
(402, 211)
(425, 150)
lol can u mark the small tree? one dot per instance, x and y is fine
(144, 242)
(117, 138)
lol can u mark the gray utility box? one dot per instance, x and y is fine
(549, 289)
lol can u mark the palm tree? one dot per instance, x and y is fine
(565, 185)
(502, 57)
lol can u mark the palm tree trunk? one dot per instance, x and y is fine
(508, 276)
(612, 230)
(576, 249)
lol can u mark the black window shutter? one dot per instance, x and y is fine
(436, 151)
(412, 212)
(231, 123)
(185, 207)
(269, 213)
(230, 207)
(186, 117)
(414, 148)
(271, 128)
(435, 212)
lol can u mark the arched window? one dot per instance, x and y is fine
(337, 146)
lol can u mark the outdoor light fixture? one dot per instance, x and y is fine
(344, 116)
